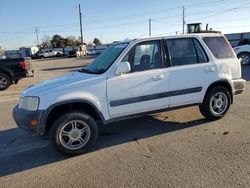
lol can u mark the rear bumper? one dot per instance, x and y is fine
(239, 86)
(24, 118)
(30, 73)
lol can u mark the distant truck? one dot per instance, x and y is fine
(12, 54)
(47, 54)
(241, 44)
(197, 28)
(238, 39)
(12, 70)
(243, 53)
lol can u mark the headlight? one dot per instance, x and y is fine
(29, 103)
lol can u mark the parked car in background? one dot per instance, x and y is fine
(47, 54)
(74, 53)
(243, 53)
(172, 72)
(91, 52)
(12, 70)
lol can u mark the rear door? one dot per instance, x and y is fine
(191, 71)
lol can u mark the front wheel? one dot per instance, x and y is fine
(74, 133)
(216, 103)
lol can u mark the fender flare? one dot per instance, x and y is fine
(7, 71)
(46, 112)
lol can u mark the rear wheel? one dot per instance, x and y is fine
(245, 58)
(5, 81)
(216, 103)
(74, 133)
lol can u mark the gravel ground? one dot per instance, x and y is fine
(171, 149)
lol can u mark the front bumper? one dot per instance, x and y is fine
(239, 86)
(25, 120)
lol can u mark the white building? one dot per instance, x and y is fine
(28, 51)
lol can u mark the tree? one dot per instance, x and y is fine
(46, 43)
(97, 41)
(70, 41)
(57, 41)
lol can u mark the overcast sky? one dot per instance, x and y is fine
(112, 20)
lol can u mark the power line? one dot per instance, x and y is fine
(224, 11)
(169, 16)
(160, 10)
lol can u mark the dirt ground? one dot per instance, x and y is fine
(171, 149)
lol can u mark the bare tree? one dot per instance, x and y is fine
(46, 43)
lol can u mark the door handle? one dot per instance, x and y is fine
(158, 77)
(210, 69)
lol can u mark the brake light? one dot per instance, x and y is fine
(24, 65)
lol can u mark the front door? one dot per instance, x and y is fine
(145, 87)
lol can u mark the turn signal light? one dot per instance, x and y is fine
(34, 123)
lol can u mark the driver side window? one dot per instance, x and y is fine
(145, 56)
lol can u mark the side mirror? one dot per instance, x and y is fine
(122, 68)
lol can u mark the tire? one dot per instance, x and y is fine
(70, 130)
(216, 103)
(5, 81)
(245, 58)
(41, 57)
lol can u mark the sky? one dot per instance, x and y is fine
(113, 20)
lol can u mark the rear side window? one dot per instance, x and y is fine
(186, 51)
(220, 48)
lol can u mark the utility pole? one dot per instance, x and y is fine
(183, 20)
(149, 27)
(37, 39)
(80, 16)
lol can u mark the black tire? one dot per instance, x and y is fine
(206, 107)
(59, 125)
(41, 57)
(5, 81)
(245, 58)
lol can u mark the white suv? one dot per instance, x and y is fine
(129, 79)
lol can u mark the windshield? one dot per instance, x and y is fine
(106, 59)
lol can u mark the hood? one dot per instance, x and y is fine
(67, 81)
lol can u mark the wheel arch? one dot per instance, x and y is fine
(224, 83)
(241, 52)
(58, 109)
(7, 72)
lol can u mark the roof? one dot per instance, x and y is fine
(181, 36)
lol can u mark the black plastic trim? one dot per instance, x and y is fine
(154, 96)
(131, 116)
